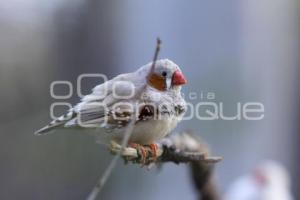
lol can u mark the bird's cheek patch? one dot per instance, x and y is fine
(158, 82)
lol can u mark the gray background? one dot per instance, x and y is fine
(240, 50)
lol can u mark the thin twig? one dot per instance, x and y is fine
(157, 49)
(101, 182)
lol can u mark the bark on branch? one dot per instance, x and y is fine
(181, 148)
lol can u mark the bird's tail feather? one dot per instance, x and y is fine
(55, 123)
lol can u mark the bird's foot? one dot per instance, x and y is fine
(153, 151)
(146, 153)
(141, 151)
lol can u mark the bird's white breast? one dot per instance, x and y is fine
(152, 130)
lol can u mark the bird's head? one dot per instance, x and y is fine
(165, 76)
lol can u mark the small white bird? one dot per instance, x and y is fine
(152, 95)
(269, 181)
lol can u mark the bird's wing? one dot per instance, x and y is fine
(106, 101)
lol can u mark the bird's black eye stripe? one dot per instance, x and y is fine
(164, 73)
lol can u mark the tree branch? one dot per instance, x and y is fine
(181, 148)
(170, 150)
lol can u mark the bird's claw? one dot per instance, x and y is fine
(153, 150)
(146, 153)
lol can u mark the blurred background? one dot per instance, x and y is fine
(240, 50)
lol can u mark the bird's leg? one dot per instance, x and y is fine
(153, 149)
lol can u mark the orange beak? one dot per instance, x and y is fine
(178, 78)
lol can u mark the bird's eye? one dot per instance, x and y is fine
(164, 74)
